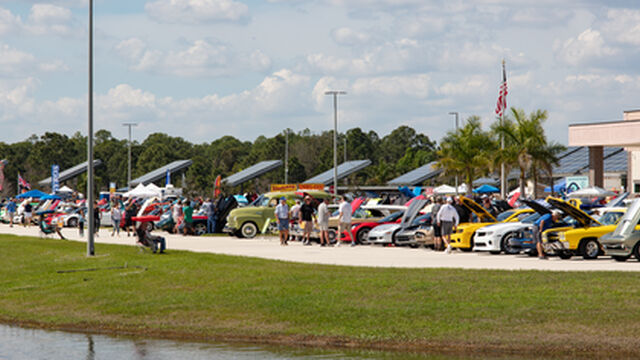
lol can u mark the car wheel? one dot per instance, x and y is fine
(636, 251)
(332, 236)
(249, 230)
(505, 245)
(73, 222)
(199, 229)
(589, 249)
(565, 255)
(620, 258)
(362, 235)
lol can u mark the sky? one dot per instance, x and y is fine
(203, 69)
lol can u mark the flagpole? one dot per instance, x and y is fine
(503, 183)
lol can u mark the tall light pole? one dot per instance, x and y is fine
(90, 192)
(129, 125)
(286, 156)
(335, 137)
(457, 116)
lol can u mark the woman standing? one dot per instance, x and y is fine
(116, 217)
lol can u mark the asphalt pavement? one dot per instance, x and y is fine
(370, 256)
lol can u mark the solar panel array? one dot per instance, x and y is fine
(417, 176)
(70, 173)
(345, 169)
(161, 172)
(577, 161)
(252, 172)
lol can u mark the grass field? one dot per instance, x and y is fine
(213, 297)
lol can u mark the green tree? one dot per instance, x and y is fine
(467, 152)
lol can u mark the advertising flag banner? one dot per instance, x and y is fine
(55, 178)
(283, 187)
(309, 187)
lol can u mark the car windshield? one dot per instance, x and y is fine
(421, 220)
(391, 218)
(610, 217)
(531, 218)
(503, 216)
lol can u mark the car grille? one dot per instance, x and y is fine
(480, 244)
(403, 237)
(481, 234)
(613, 247)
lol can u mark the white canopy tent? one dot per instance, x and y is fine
(444, 190)
(141, 191)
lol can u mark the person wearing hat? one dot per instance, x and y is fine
(543, 223)
(282, 215)
(448, 220)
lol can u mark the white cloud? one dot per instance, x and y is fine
(45, 19)
(349, 37)
(200, 58)
(8, 21)
(623, 25)
(589, 45)
(196, 11)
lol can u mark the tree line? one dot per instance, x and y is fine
(402, 150)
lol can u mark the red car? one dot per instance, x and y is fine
(361, 230)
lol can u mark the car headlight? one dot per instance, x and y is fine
(388, 233)
(561, 236)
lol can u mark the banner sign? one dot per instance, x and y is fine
(574, 183)
(318, 187)
(283, 187)
(55, 178)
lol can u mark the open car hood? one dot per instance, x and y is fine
(618, 201)
(583, 218)
(628, 223)
(536, 206)
(473, 206)
(411, 212)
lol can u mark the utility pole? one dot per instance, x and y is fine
(129, 125)
(457, 116)
(335, 137)
(286, 156)
(90, 175)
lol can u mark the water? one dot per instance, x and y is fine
(29, 344)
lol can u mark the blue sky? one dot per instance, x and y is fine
(202, 69)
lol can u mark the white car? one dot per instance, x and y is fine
(383, 234)
(495, 238)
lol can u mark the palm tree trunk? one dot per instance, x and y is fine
(535, 181)
(523, 179)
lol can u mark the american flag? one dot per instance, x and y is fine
(502, 96)
(23, 183)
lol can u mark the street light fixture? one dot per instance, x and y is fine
(90, 175)
(129, 162)
(335, 94)
(457, 116)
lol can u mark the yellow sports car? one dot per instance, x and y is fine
(463, 237)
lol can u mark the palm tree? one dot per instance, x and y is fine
(524, 137)
(545, 159)
(467, 152)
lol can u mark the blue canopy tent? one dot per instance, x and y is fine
(558, 187)
(51, 197)
(31, 194)
(486, 189)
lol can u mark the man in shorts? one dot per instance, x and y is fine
(282, 217)
(11, 211)
(345, 220)
(187, 211)
(437, 237)
(448, 220)
(307, 216)
(543, 223)
(323, 222)
(28, 208)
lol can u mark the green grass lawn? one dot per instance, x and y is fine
(206, 296)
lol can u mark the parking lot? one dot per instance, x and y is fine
(375, 256)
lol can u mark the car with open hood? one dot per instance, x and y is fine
(387, 233)
(583, 242)
(624, 241)
(360, 231)
(463, 237)
(497, 238)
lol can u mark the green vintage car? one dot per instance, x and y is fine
(249, 221)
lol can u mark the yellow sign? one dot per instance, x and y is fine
(318, 187)
(283, 187)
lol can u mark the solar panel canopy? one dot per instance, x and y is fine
(252, 172)
(345, 169)
(417, 176)
(161, 172)
(71, 172)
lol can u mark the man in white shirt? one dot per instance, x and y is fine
(344, 219)
(282, 216)
(323, 222)
(448, 221)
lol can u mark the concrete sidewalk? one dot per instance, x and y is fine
(374, 256)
